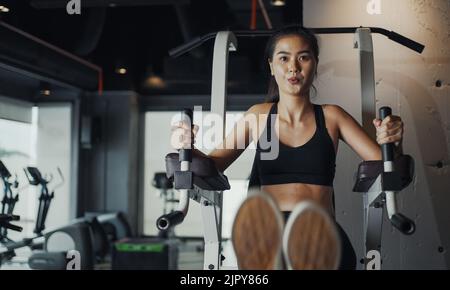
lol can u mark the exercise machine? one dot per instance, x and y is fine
(166, 193)
(189, 173)
(9, 199)
(107, 229)
(35, 178)
(50, 249)
(380, 181)
(197, 178)
(5, 223)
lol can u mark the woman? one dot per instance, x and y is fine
(307, 137)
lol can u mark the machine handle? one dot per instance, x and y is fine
(169, 220)
(186, 153)
(403, 224)
(387, 150)
(414, 45)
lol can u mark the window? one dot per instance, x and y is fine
(16, 153)
(38, 137)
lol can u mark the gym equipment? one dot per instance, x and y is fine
(115, 225)
(145, 254)
(165, 186)
(9, 199)
(56, 243)
(380, 181)
(77, 236)
(150, 253)
(35, 178)
(100, 242)
(107, 229)
(135, 253)
(190, 181)
(166, 192)
(5, 220)
(93, 236)
(198, 178)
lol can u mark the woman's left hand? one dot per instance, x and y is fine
(390, 130)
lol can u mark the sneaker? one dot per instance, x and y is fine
(310, 239)
(257, 232)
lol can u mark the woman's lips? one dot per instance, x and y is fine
(294, 81)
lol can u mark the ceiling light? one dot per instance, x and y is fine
(121, 71)
(278, 2)
(155, 81)
(45, 89)
(4, 9)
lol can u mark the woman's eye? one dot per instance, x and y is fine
(283, 58)
(304, 58)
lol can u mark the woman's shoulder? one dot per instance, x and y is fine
(332, 111)
(256, 116)
(261, 108)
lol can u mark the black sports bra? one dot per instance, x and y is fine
(311, 163)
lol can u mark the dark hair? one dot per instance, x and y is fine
(272, 94)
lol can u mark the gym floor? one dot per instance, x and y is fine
(190, 257)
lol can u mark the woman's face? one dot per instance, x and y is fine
(293, 65)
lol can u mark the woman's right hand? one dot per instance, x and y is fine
(183, 136)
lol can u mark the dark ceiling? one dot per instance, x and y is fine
(137, 35)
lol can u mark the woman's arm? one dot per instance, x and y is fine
(389, 130)
(231, 147)
(235, 142)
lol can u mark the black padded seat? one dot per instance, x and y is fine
(206, 175)
(368, 171)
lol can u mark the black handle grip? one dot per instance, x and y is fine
(169, 220)
(13, 227)
(186, 154)
(406, 41)
(6, 218)
(403, 224)
(387, 150)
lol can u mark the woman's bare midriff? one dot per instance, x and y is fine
(288, 195)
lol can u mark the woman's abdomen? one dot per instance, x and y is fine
(288, 195)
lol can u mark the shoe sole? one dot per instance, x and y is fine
(311, 240)
(257, 232)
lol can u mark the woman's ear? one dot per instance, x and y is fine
(270, 66)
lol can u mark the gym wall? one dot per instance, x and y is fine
(108, 167)
(417, 87)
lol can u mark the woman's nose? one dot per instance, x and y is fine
(294, 67)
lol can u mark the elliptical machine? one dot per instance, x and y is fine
(35, 178)
(8, 202)
(56, 250)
